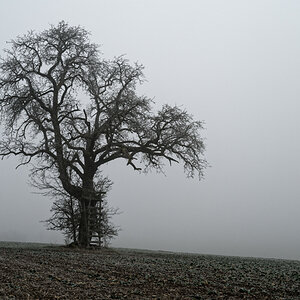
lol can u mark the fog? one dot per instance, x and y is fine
(234, 65)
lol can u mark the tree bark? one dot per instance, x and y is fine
(83, 237)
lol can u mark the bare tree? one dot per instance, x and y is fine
(68, 111)
(66, 212)
(65, 217)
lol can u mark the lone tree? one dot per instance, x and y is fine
(68, 111)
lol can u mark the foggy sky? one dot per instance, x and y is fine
(234, 65)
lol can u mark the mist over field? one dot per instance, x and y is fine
(234, 65)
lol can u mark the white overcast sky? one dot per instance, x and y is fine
(233, 64)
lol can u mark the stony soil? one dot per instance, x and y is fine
(63, 273)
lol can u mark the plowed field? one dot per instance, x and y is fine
(40, 272)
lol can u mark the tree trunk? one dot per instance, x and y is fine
(87, 216)
(74, 219)
(88, 202)
(84, 230)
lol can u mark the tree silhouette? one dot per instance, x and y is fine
(66, 212)
(67, 112)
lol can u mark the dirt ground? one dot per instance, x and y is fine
(63, 273)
